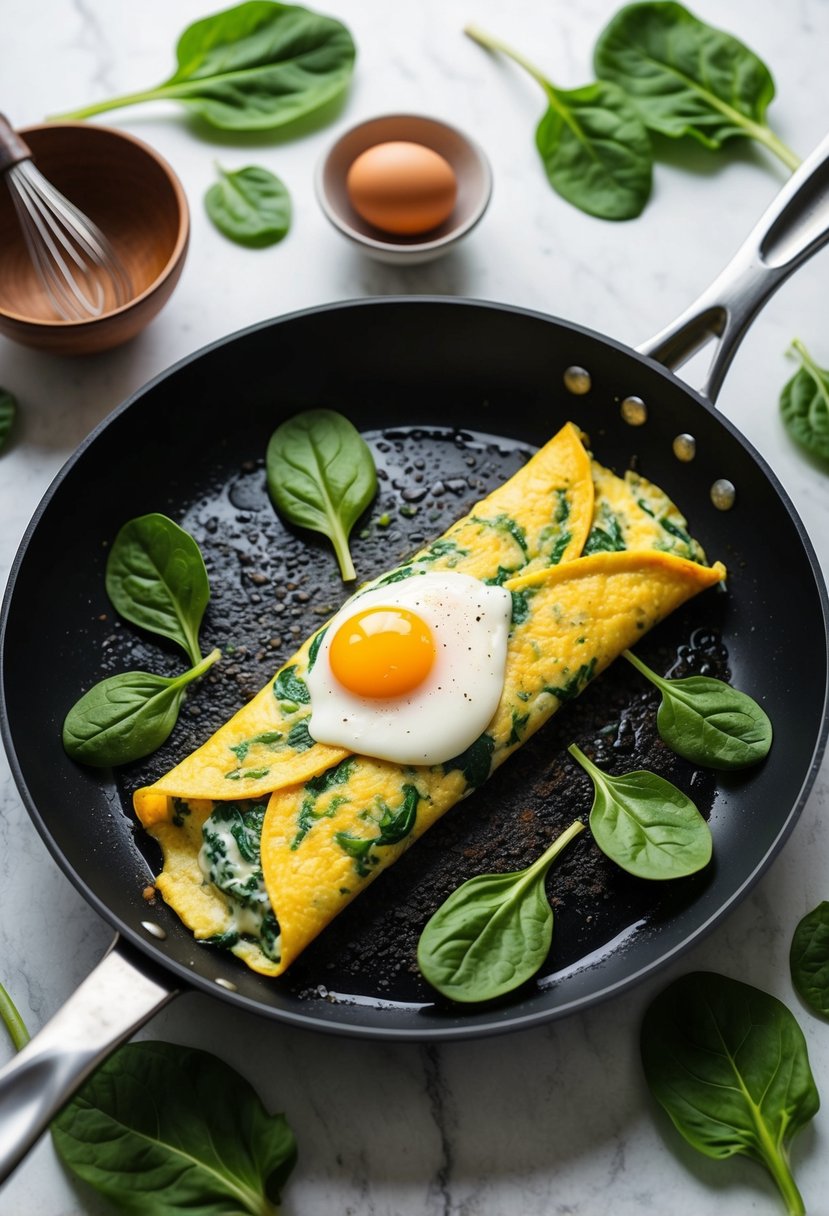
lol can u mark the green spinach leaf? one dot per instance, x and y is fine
(250, 206)
(155, 577)
(707, 721)
(12, 1020)
(645, 824)
(321, 476)
(162, 1129)
(475, 762)
(687, 78)
(493, 932)
(254, 67)
(288, 686)
(804, 404)
(127, 716)
(729, 1065)
(594, 146)
(395, 824)
(809, 959)
(8, 413)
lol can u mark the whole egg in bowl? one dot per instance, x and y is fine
(412, 672)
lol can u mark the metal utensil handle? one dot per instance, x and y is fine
(112, 1002)
(12, 148)
(794, 227)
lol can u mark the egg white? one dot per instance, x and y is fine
(447, 712)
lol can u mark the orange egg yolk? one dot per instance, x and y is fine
(382, 652)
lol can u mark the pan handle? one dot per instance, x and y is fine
(113, 1001)
(794, 227)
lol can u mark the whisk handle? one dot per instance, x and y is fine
(12, 148)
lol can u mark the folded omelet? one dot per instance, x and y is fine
(268, 834)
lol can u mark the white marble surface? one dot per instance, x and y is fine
(555, 1120)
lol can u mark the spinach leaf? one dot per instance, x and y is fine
(321, 476)
(729, 1064)
(155, 577)
(687, 78)
(606, 535)
(804, 404)
(395, 824)
(8, 413)
(254, 67)
(314, 648)
(809, 959)
(338, 774)
(645, 824)
(707, 721)
(250, 206)
(493, 932)
(475, 762)
(572, 687)
(288, 686)
(11, 1019)
(594, 146)
(358, 848)
(505, 523)
(300, 737)
(163, 1129)
(127, 716)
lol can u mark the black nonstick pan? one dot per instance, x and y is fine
(453, 395)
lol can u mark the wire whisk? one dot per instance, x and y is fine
(78, 268)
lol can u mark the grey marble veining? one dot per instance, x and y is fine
(556, 1120)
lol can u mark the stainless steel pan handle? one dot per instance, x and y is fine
(113, 1001)
(794, 227)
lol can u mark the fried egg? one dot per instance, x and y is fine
(412, 672)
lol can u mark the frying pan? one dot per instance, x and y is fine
(447, 367)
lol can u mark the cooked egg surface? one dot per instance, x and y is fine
(411, 672)
(325, 841)
(401, 187)
(540, 517)
(591, 561)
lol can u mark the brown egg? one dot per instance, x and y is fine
(402, 187)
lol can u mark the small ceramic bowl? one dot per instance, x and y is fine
(468, 161)
(134, 197)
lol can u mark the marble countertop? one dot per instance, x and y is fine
(557, 1119)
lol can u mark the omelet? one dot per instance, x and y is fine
(267, 834)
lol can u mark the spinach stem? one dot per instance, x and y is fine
(817, 374)
(790, 159)
(764, 135)
(546, 859)
(495, 44)
(101, 107)
(774, 1154)
(579, 756)
(200, 668)
(642, 667)
(12, 1020)
(782, 1174)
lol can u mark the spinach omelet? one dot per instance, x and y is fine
(267, 834)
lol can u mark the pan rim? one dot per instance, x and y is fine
(470, 1025)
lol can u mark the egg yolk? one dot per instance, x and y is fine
(382, 652)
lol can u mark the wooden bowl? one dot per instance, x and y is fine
(134, 197)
